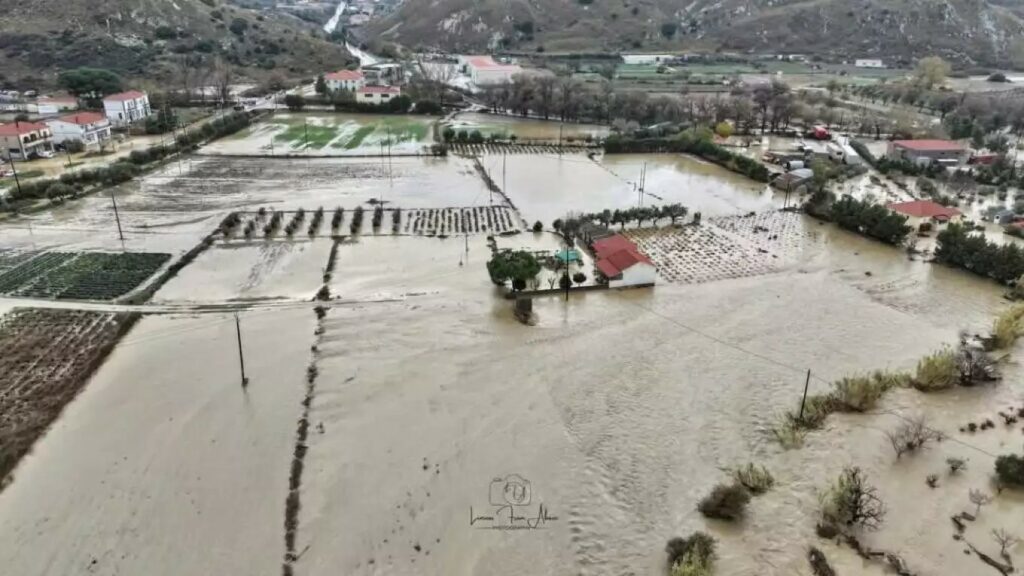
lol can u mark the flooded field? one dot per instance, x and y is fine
(330, 135)
(377, 430)
(531, 183)
(525, 129)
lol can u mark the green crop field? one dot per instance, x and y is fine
(76, 275)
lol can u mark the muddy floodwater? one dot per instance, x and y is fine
(389, 424)
(525, 129)
(545, 187)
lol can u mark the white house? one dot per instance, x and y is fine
(350, 80)
(377, 94)
(646, 59)
(92, 128)
(52, 105)
(620, 261)
(25, 140)
(869, 63)
(483, 70)
(127, 107)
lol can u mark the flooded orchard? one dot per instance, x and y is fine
(391, 389)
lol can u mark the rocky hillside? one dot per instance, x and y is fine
(985, 32)
(151, 39)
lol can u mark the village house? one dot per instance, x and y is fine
(869, 63)
(127, 107)
(944, 152)
(349, 80)
(24, 140)
(377, 94)
(384, 73)
(52, 105)
(483, 70)
(921, 211)
(91, 128)
(620, 261)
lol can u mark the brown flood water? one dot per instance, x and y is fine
(622, 409)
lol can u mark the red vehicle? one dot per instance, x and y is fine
(819, 133)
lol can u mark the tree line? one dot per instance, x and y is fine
(973, 252)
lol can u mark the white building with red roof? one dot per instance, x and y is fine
(127, 107)
(24, 140)
(91, 128)
(350, 80)
(377, 95)
(484, 70)
(927, 151)
(621, 262)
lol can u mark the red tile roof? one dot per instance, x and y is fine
(344, 75)
(379, 90)
(929, 145)
(924, 209)
(19, 128)
(83, 118)
(129, 95)
(617, 253)
(485, 62)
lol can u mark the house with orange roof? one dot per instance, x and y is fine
(619, 260)
(127, 108)
(25, 140)
(91, 128)
(350, 80)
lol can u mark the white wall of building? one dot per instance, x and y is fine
(124, 112)
(638, 274)
(90, 134)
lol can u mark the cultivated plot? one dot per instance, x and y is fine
(76, 275)
(330, 135)
(525, 129)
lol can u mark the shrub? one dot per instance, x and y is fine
(1010, 470)
(851, 501)
(538, 226)
(1008, 326)
(74, 146)
(756, 479)
(693, 556)
(937, 371)
(858, 393)
(910, 436)
(725, 502)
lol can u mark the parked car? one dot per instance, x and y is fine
(42, 154)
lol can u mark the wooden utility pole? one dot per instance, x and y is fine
(117, 217)
(804, 401)
(17, 183)
(241, 356)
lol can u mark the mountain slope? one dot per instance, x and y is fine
(964, 31)
(150, 39)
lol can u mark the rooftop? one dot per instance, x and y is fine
(345, 75)
(928, 145)
(19, 128)
(617, 253)
(486, 62)
(83, 118)
(924, 209)
(122, 96)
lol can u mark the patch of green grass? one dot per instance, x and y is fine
(315, 137)
(359, 136)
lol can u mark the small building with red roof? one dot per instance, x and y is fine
(927, 151)
(484, 70)
(91, 128)
(619, 260)
(127, 108)
(350, 80)
(920, 211)
(377, 95)
(24, 140)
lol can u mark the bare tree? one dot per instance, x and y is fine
(911, 435)
(851, 501)
(979, 499)
(1005, 541)
(223, 75)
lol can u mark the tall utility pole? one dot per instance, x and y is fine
(504, 182)
(560, 141)
(117, 217)
(305, 131)
(241, 356)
